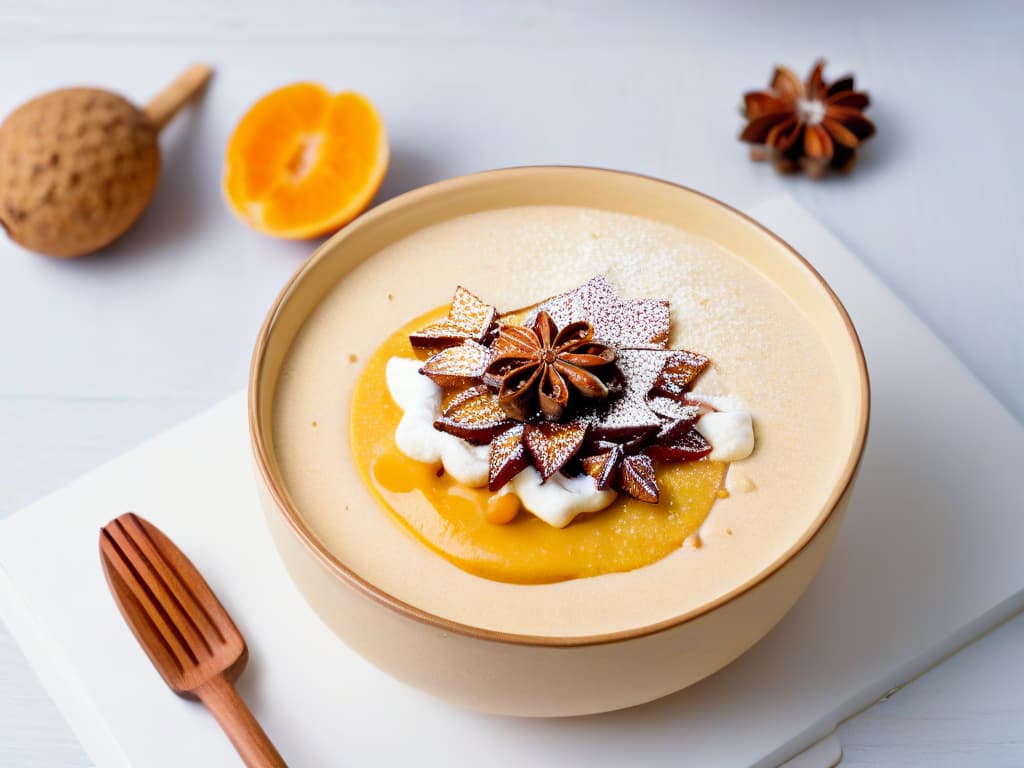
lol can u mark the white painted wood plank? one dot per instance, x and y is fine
(968, 711)
(32, 732)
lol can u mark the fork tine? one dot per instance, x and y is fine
(162, 561)
(208, 611)
(167, 602)
(136, 598)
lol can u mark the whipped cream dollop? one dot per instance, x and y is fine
(730, 433)
(420, 401)
(560, 499)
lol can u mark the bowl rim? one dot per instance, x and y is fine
(336, 567)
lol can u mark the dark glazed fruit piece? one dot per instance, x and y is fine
(679, 372)
(690, 447)
(507, 457)
(460, 366)
(604, 467)
(468, 319)
(551, 444)
(473, 415)
(637, 478)
(672, 431)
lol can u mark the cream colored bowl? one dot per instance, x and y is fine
(540, 675)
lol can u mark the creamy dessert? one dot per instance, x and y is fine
(761, 354)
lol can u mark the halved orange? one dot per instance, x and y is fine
(303, 162)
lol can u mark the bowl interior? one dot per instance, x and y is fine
(606, 190)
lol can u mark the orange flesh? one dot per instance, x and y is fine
(452, 519)
(303, 161)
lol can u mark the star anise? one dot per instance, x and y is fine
(808, 126)
(542, 366)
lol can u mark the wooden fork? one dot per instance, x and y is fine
(183, 628)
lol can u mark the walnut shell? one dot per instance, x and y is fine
(77, 168)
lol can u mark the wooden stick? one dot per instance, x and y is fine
(166, 104)
(241, 727)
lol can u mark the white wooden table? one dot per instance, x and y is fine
(101, 353)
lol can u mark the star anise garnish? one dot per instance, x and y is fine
(542, 366)
(810, 126)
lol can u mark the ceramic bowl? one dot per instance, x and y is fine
(537, 675)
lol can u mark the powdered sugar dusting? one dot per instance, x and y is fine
(454, 366)
(711, 309)
(622, 322)
(629, 413)
(468, 318)
(552, 444)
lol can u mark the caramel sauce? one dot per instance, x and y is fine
(454, 520)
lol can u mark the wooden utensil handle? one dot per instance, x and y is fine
(255, 748)
(166, 104)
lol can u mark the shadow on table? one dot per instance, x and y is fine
(410, 167)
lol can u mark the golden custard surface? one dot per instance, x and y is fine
(450, 518)
(763, 351)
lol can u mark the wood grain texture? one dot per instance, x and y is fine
(112, 349)
(253, 746)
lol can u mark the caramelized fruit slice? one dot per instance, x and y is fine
(673, 430)
(459, 366)
(469, 318)
(604, 467)
(473, 415)
(552, 444)
(513, 339)
(679, 371)
(637, 478)
(689, 447)
(507, 457)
